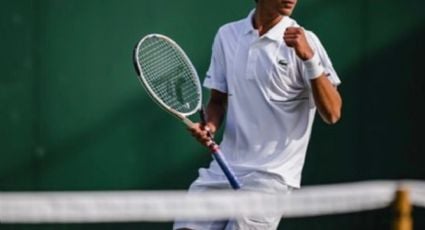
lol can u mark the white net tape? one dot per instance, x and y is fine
(126, 206)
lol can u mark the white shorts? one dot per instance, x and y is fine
(255, 181)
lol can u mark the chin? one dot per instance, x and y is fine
(285, 12)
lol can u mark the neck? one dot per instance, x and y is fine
(264, 20)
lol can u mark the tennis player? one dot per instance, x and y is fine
(267, 76)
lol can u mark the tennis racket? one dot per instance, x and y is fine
(171, 81)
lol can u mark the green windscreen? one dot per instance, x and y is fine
(74, 117)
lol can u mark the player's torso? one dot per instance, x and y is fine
(261, 67)
(268, 102)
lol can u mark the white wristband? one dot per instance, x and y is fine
(313, 67)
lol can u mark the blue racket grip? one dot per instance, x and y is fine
(218, 156)
(226, 169)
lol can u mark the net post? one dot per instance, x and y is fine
(402, 209)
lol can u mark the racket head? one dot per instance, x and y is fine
(167, 74)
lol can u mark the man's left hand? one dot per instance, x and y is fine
(295, 37)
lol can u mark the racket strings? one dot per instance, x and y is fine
(169, 75)
(157, 73)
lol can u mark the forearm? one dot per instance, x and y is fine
(216, 110)
(327, 98)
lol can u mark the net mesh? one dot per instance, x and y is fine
(168, 74)
(360, 205)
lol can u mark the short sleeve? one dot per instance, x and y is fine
(324, 58)
(216, 74)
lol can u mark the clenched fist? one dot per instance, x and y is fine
(295, 37)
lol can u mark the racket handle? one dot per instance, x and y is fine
(230, 175)
(219, 158)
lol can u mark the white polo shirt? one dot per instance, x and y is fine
(270, 106)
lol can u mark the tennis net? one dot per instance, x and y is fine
(329, 205)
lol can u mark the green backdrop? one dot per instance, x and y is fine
(73, 115)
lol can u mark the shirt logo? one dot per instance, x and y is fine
(282, 62)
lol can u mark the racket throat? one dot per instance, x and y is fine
(186, 121)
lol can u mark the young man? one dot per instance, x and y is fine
(268, 76)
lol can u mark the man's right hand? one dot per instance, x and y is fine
(201, 133)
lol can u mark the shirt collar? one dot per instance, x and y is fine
(275, 33)
(248, 27)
